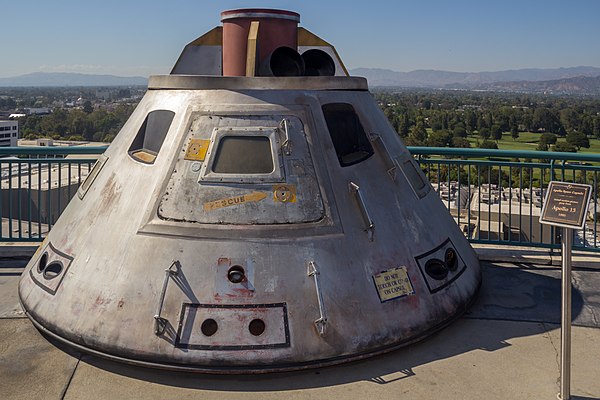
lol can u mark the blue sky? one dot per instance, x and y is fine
(128, 38)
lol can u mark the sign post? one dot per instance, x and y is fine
(566, 206)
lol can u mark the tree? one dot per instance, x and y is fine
(546, 120)
(565, 147)
(548, 138)
(437, 122)
(439, 139)
(496, 132)
(578, 139)
(87, 107)
(459, 131)
(470, 121)
(460, 142)
(569, 118)
(514, 132)
(488, 144)
(417, 135)
(484, 133)
(542, 146)
(520, 175)
(403, 125)
(587, 125)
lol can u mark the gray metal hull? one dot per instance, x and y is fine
(319, 281)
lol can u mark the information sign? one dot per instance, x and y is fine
(566, 204)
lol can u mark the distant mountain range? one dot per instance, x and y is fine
(517, 80)
(585, 85)
(575, 80)
(47, 79)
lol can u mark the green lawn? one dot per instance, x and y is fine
(529, 141)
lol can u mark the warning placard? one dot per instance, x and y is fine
(393, 283)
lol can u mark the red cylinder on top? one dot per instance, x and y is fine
(277, 28)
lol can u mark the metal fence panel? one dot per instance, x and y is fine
(495, 196)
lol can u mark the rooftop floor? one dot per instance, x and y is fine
(506, 347)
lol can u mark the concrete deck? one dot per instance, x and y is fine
(506, 347)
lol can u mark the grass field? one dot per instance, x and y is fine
(529, 141)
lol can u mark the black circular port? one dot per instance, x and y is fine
(42, 263)
(436, 269)
(256, 327)
(52, 270)
(450, 259)
(209, 327)
(236, 274)
(284, 61)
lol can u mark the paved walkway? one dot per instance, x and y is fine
(505, 348)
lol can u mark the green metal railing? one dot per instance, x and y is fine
(36, 184)
(494, 195)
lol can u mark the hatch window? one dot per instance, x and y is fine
(243, 155)
(150, 137)
(244, 176)
(347, 134)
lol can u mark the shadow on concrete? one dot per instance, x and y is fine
(12, 266)
(524, 298)
(532, 294)
(461, 337)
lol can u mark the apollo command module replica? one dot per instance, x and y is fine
(256, 213)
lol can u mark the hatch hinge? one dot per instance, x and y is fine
(286, 146)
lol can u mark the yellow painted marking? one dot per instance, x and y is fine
(307, 38)
(252, 43)
(393, 283)
(234, 201)
(284, 193)
(214, 37)
(144, 156)
(197, 149)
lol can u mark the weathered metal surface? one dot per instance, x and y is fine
(274, 270)
(121, 242)
(175, 82)
(243, 197)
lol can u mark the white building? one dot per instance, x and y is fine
(9, 133)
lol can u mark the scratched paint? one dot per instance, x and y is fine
(197, 149)
(253, 197)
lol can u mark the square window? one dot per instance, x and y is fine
(250, 155)
(243, 155)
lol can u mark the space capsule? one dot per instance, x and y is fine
(256, 213)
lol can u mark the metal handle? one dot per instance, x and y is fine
(159, 322)
(286, 146)
(369, 224)
(320, 323)
(384, 153)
